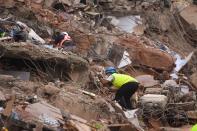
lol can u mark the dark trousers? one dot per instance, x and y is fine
(124, 94)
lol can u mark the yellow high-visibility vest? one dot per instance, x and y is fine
(194, 128)
(121, 79)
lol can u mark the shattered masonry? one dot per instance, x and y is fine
(54, 87)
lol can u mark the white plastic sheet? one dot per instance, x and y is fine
(180, 63)
(132, 117)
(125, 60)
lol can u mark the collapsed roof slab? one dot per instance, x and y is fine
(49, 62)
(29, 51)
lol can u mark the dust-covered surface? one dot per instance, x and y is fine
(43, 87)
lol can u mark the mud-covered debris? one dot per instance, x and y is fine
(161, 32)
(190, 22)
(8, 3)
(186, 128)
(51, 89)
(8, 110)
(193, 78)
(147, 80)
(192, 115)
(145, 55)
(7, 80)
(30, 51)
(170, 83)
(43, 112)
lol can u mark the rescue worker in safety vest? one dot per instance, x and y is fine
(124, 85)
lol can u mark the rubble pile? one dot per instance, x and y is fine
(53, 54)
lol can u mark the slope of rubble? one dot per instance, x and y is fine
(43, 88)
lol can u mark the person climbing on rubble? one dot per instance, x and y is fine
(125, 86)
(63, 40)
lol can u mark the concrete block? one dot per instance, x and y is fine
(160, 100)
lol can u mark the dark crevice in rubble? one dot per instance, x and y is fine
(59, 6)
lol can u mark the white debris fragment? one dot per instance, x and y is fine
(125, 60)
(132, 117)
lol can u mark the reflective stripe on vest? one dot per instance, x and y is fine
(121, 79)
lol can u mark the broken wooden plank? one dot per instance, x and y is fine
(88, 93)
(119, 125)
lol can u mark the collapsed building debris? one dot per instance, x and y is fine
(43, 88)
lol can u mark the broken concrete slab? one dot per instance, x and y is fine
(151, 99)
(38, 109)
(147, 80)
(86, 107)
(41, 112)
(189, 22)
(189, 15)
(154, 58)
(34, 52)
(7, 3)
(170, 83)
(17, 74)
(49, 116)
(146, 55)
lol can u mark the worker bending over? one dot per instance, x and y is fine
(124, 85)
